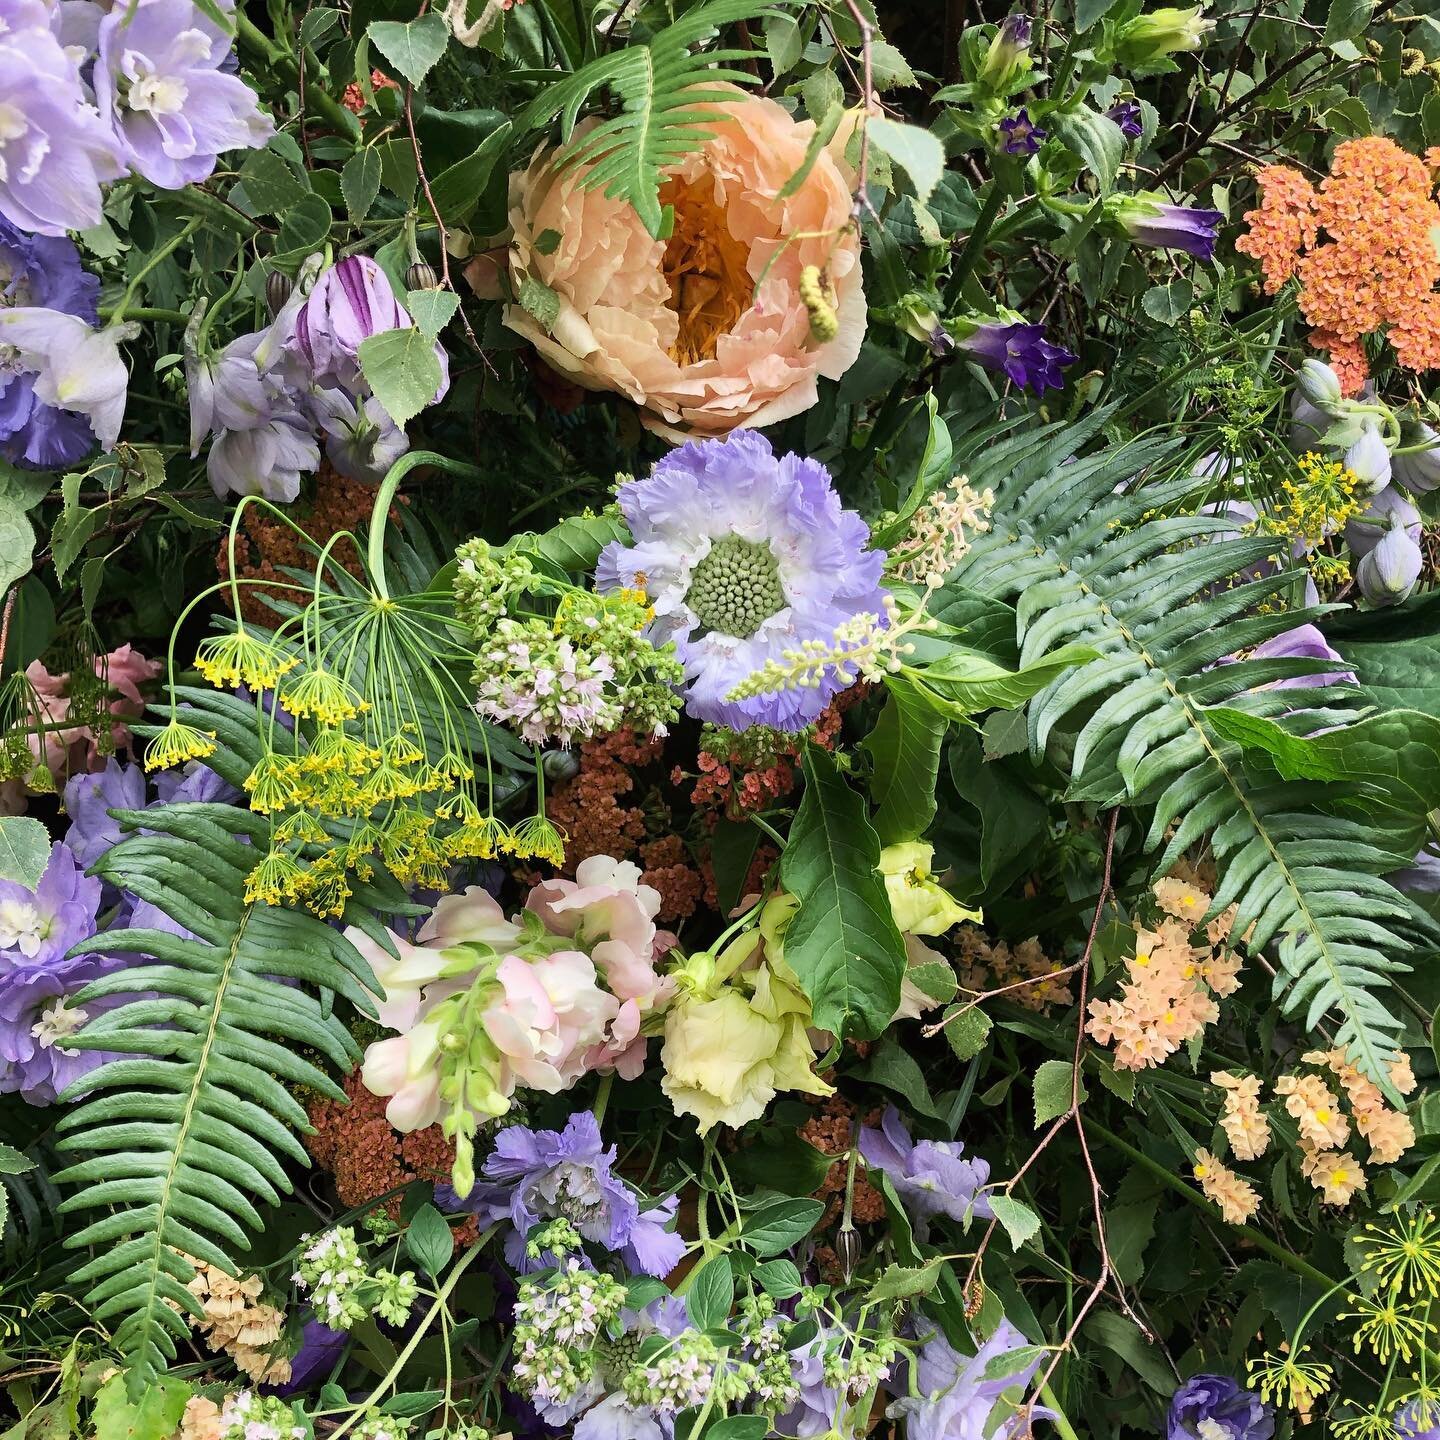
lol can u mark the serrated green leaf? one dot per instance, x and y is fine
(24, 850)
(271, 186)
(1020, 1221)
(914, 149)
(1053, 1084)
(967, 1032)
(360, 183)
(403, 370)
(413, 47)
(900, 1282)
(431, 310)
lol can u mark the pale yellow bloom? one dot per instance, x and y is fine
(1337, 1175)
(920, 905)
(1245, 1126)
(1182, 900)
(1238, 1199)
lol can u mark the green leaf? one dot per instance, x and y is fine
(1053, 1082)
(900, 1282)
(12, 1162)
(842, 942)
(739, 1427)
(360, 183)
(428, 1240)
(24, 850)
(153, 1416)
(1346, 19)
(777, 1227)
(825, 129)
(1013, 1362)
(783, 43)
(1087, 12)
(271, 186)
(904, 748)
(432, 310)
(17, 542)
(413, 47)
(1020, 1221)
(1097, 140)
(538, 299)
(1005, 733)
(967, 1033)
(779, 1278)
(974, 682)
(711, 1293)
(894, 1067)
(1167, 303)
(402, 369)
(914, 149)
(457, 190)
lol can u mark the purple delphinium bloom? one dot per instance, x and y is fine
(1020, 135)
(818, 1405)
(932, 1177)
(1126, 114)
(55, 148)
(38, 926)
(62, 386)
(1151, 220)
(349, 303)
(194, 783)
(1233, 1412)
(361, 440)
(1020, 351)
(745, 555)
(536, 1175)
(160, 76)
(267, 459)
(87, 799)
(37, 1016)
(955, 1399)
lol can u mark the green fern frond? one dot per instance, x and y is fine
(180, 1139)
(667, 95)
(1089, 556)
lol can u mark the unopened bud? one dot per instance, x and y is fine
(420, 276)
(818, 297)
(1319, 384)
(1368, 460)
(278, 289)
(1389, 572)
(847, 1250)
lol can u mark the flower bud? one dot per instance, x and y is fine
(421, 276)
(278, 288)
(1419, 472)
(1389, 572)
(847, 1250)
(1307, 424)
(1390, 506)
(1319, 384)
(1159, 34)
(1368, 460)
(1009, 53)
(560, 765)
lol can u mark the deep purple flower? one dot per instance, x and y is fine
(1304, 642)
(535, 1175)
(1151, 220)
(955, 1399)
(349, 303)
(55, 149)
(1126, 114)
(744, 555)
(1021, 135)
(1019, 351)
(932, 1177)
(161, 77)
(38, 926)
(814, 1412)
(1233, 1412)
(320, 1348)
(37, 1016)
(1417, 1420)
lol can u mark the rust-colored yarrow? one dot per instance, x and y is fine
(1360, 246)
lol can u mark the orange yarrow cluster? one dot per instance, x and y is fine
(1360, 246)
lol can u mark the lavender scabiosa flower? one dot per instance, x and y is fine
(1126, 114)
(744, 556)
(1017, 350)
(55, 148)
(537, 1175)
(1150, 219)
(931, 1177)
(62, 386)
(1020, 135)
(160, 75)
(1215, 1407)
(38, 926)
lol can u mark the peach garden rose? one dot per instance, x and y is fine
(705, 330)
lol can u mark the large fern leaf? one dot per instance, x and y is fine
(189, 1131)
(667, 94)
(1090, 555)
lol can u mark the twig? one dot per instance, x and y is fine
(867, 84)
(5, 623)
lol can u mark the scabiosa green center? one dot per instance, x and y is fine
(736, 587)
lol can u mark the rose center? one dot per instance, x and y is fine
(736, 587)
(706, 269)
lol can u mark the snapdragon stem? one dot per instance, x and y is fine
(375, 551)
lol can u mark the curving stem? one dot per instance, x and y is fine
(375, 549)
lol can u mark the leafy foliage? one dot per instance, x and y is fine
(1090, 555)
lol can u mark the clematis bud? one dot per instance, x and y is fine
(1159, 34)
(1009, 53)
(1368, 460)
(1389, 572)
(1319, 384)
(1418, 472)
(278, 289)
(1390, 506)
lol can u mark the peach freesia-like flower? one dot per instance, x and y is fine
(1337, 1175)
(1316, 1111)
(1245, 1126)
(705, 330)
(1238, 1199)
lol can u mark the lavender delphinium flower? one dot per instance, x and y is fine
(1126, 114)
(1019, 351)
(1215, 1407)
(361, 440)
(265, 459)
(931, 1177)
(536, 1175)
(1151, 220)
(160, 76)
(38, 926)
(1020, 135)
(744, 555)
(88, 798)
(55, 148)
(1304, 642)
(62, 385)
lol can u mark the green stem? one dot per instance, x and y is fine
(163, 253)
(145, 312)
(975, 243)
(280, 60)
(375, 551)
(1063, 1427)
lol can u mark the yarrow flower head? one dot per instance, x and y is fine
(743, 555)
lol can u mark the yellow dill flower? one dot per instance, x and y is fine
(324, 887)
(321, 696)
(1290, 1380)
(301, 826)
(271, 783)
(479, 837)
(1318, 503)
(1371, 1424)
(536, 838)
(1386, 1329)
(178, 743)
(274, 880)
(1405, 1256)
(240, 659)
(336, 750)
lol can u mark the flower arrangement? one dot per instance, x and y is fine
(717, 720)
